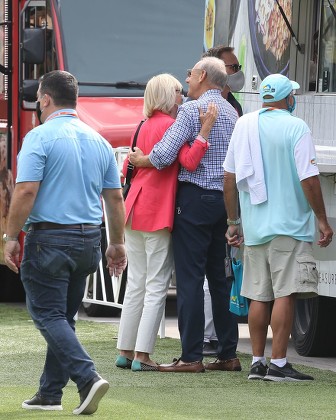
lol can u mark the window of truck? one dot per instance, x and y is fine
(38, 15)
(327, 58)
(105, 43)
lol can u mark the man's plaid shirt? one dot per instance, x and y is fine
(209, 174)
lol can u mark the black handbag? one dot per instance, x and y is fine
(130, 167)
(228, 264)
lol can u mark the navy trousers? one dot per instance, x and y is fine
(199, 250)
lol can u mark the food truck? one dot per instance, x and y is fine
(296, 38)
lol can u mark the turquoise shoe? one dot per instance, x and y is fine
(123, 362)
(138, 366)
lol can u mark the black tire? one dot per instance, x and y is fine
(11, 286)
(314, 332)
(92, 309)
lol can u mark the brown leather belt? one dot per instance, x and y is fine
(49, 225)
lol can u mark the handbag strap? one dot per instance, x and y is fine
(130, 167)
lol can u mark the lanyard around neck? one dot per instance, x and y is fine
(62, 113)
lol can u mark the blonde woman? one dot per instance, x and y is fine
(149, 220)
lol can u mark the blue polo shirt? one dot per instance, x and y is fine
(74, 163)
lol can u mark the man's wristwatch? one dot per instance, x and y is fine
(7, 238)
(233, 222)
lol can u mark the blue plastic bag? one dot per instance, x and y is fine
(238, 303)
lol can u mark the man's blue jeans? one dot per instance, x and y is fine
(53, 271)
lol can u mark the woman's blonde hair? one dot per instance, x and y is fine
(160, 94)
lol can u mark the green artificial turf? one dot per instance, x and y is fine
(152, 395)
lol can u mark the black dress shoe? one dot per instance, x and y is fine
(209, 350)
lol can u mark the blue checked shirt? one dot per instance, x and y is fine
(209, 173)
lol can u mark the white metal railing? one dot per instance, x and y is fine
(115, 281)
(116, 286)
(121, 154)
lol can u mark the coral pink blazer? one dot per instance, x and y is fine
(151, 199)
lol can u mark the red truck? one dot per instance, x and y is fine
(113, 49)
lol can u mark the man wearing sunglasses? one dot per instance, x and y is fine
(235, 74)
(234, 83)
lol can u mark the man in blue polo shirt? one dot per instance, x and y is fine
(63, 169)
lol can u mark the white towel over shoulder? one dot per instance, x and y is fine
(248, 162)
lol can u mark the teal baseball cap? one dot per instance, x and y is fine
(276, 87)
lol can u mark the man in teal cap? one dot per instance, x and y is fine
(271, 163)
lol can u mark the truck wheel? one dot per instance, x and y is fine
(313, 327)
(92, 309)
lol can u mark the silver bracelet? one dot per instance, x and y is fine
(233, 222)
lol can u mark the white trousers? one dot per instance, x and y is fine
(150, 264)
(209, 326)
